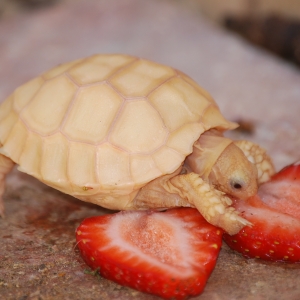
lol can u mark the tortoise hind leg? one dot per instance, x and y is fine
(6, 166)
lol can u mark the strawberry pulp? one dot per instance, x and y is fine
(170, 254)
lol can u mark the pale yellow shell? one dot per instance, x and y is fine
(105, 125)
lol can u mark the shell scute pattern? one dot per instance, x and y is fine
(53, 154)
(17, 136)
(110, 116)
(98, 68)
(179, 97)
(127, 133)
(113, 166)
(25, 93)
(101, 103)
(140, 78)
(30, 158)
(46, 111)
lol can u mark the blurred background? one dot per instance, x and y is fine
(214, 9)
(271, 24)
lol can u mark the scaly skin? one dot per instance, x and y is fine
(259, 158)
(213, 204)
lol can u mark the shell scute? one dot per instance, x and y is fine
(98, 68)
(113, 166)
(164, 159)
(179, 139)
(60, 69)
(24, 94)
(139, 128)
(54, 159)
(7, 123)
(46, 111)
(81, 165)
(6, 107)
(144, 169)
(30, 158)
(179, 97)
(140, 78)
(16, 136)
(212, 118)
(196, 86)
(101, 104)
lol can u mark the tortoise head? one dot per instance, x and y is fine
(234, 174)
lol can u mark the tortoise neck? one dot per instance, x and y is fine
(206, 151)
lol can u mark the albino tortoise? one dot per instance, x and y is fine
(127, 133)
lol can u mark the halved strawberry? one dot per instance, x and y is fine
(275, 215)
(170, 254)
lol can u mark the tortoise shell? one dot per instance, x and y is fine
(105, 125)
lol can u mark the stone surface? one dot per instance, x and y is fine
(38, 255)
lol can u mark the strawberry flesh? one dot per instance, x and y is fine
(282, 192)
(170, 254)
(275, 215)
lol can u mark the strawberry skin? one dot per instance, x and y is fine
(170, 254)
(275, 215)
(291, 173)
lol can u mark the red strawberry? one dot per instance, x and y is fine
(170, 254)
(275, 215)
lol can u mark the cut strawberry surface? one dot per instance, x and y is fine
(170, 254)
(282, 192)
(275, 215)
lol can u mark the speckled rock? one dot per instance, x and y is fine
(38, 256)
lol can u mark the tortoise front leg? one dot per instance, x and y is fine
(259, 157)
(6, 166)
(213, 204)
(190, 190)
